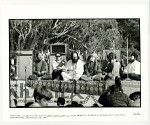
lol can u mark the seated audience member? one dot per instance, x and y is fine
(80, 105)
(74, 104)
(115, 98)
(113, 67)
(73, 69)
(133, 68)
(42, 96)
(136, 99)
(60, 102)
(40, 69)
(95, 105)
(118, 83)
(57, 66)
(92, 69)
(28, 104)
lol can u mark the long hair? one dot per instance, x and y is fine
(74, 53)
(96, 64)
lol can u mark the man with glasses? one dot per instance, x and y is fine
(57, 66)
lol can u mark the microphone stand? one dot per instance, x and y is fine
(74, 82)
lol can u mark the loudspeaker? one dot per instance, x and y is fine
(24, 64)
(58, 48)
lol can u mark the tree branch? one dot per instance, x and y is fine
(55, 25)
(29, 31)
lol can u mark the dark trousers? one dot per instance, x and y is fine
(44, 77)
(57, 74)
(132, 76)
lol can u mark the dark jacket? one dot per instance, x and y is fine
(92, 68)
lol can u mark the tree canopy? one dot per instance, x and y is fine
(84, 34)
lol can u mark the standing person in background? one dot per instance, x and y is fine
(74, 68)
(57, 66)
(133, 68)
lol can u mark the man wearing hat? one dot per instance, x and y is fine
(57, 66)
(92, 69)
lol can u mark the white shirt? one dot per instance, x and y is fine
(54, 65)
(116, 69)
(133, 67)
(77, 67)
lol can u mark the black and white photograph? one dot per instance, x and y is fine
(76, 62)
(92, 62)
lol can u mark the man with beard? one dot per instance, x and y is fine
(92, 69)
(113, 67)
(74, 68)
(133, 68)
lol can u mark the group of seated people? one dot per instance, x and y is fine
(113, 97)
(76, 69)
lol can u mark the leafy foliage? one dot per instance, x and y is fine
(82, 34)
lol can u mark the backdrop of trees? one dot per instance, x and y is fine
(84, 34)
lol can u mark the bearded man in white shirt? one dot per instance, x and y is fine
(133, 68)
(74, 68)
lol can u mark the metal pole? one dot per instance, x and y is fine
(25, 84)
(74, 67)
(113, 55)
(127, 59)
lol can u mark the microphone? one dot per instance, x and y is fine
(25, 69)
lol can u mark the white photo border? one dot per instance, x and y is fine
(108, 10)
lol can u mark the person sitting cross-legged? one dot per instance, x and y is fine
(92, 69)
(73, 69)
(132, 69)
(57, 66)
(40, 70)
(113, 67)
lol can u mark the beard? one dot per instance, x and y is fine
(74, 60)
(131, 60)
